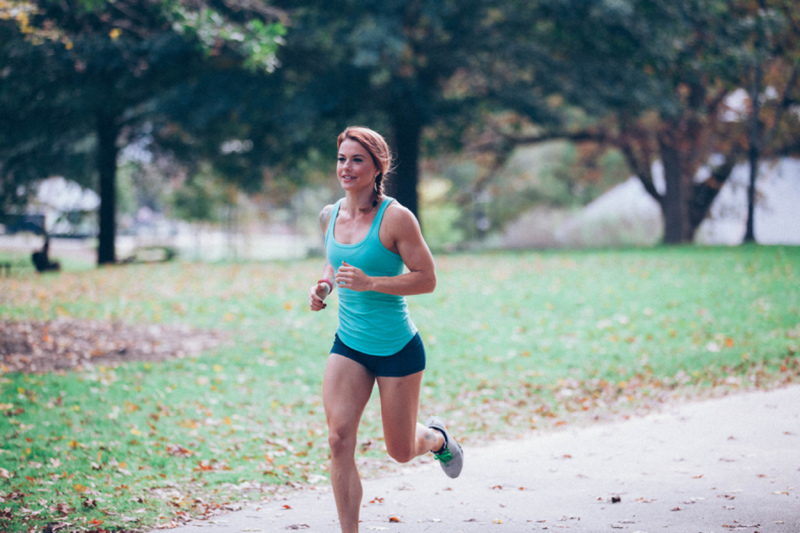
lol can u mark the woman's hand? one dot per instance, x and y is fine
(317, 295)
(353, 278)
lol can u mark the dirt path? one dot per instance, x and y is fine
(720, 465)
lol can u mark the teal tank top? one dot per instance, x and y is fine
(369, 321)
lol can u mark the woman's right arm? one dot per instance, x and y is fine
(320, 291)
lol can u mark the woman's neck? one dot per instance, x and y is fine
(362, 205)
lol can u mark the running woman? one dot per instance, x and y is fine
(369, 239)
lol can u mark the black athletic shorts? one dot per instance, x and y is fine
(409, 360)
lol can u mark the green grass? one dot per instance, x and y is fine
(22, 265)
(515, 341)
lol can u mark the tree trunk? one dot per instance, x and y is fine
(407, 133)
(675, 208)
(704, 194)
(107, 170)
(750, 232)
(754, 152)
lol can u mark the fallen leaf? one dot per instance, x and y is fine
(204, 466)
(178, 451)
(62, 508)
(394, 519)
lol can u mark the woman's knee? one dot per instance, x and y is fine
(341, 442)
(402, 453)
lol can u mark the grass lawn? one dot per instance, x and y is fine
(515, 341)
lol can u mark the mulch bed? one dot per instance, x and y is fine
(65, 344)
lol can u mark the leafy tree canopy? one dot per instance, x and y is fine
(83, 77)
(654, 76)
(393, 66)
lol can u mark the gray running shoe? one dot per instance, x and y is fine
(451, 456)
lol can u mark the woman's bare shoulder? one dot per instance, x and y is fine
(399, 215)
(325, 216)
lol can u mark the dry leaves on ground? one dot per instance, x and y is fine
(64, 344)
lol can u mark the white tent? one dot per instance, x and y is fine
(64, 195)
(62, 202)
(777, 210)
(627, 215)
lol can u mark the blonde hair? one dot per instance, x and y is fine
(377, 147)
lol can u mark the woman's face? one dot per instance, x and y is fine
(355, 168)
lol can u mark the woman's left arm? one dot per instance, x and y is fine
(403, 236)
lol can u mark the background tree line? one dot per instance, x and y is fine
(258, 91)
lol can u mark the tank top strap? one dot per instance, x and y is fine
(332, 220)
(376, 224)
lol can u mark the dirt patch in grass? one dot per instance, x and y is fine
(66, 344)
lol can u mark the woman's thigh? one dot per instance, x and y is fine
(346, 389)
(399, 411)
